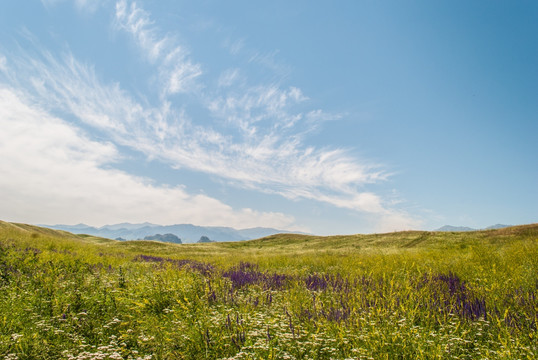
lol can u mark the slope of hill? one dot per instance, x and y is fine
(288, 243)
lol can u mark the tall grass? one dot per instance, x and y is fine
(393, 296)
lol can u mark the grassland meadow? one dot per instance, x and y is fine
(405, 295)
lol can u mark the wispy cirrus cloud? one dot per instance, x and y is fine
(258, 106)
(176, 70)
(82, 5)
(228, 77)
(252, 135)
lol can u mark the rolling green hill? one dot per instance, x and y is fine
(407, 295)
(284, 243)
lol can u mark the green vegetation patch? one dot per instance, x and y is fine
(408, 295)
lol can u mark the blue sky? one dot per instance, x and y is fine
(320, 116)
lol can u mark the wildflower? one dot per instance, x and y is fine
(15, 337)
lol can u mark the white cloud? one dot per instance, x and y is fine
(228, 77)
(136, 22)
(260, 105)
(182, 76)
(177, 72)
(52, 173)
(268, 156)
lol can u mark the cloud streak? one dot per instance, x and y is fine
(176, 70)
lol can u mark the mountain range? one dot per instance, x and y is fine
(451, 228)
(186, 232)
(189, 233)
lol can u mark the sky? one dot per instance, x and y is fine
(328, 117)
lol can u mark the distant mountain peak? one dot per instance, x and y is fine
(66, 227)
(164, 238)
(450, 228)
(205, 239)
(497, 226)
(126, 225)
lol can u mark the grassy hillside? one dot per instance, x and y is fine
(408, 295)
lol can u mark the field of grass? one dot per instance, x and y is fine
(405, 295)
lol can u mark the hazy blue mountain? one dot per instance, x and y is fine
(258, 232)
(186, 232)
(204, 239)
(71, 228)
(465, 228)
(164, 238)
(455, 228)
(127, 226)
(497, 226)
